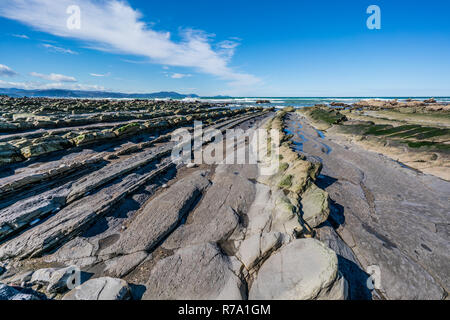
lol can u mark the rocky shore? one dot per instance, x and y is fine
(98, 210)
(415, 133)
(385, 219)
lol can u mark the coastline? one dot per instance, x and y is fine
(95, 190)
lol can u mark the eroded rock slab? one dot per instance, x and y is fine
(105, 288)
(68, 222)
(222, 209)
(160, 215)
(196, 272)
(302, 270)
(17, 293)
(315, 206)
(389, 215)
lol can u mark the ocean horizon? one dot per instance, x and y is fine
(281, 102)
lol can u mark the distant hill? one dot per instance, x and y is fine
(62, 93)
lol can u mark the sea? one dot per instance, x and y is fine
(281, 102)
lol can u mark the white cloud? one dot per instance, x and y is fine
(135, 61)
(6, 71)
(58, 49)
(180, 75)
(100, 75)
(23, 36)
(114, 26)
(31, 85)
(54, 77)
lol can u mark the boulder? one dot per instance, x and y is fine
(56, 280)
(257, 247)
(42, 276)
(63, 279)
(315, 206)
(105, 288)
(305, 269)
(284, 215)
(196, 272)
(296, 177)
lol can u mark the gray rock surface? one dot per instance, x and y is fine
(160, 215)
(221, 210)
(390, 216)
(195, 272)
(120, 266)
(302, 270)
(105, 288)
(18, 278)
(23, 177)
(72, 219)
(17, 293)
(257, 247)
(114, 170)
(315, 206)
(348, 264)
(25, 211)
(63, 279)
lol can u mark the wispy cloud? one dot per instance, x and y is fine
(115, 26)
(58, 49)
(54, 77)
(180, 75)
(31, 85)
(135, 61)
(100, 75)
(7, 71)
(23, 36)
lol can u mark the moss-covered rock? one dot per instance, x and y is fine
(315, 206)
(323, 117)
(128, 129)
(286, 182)
(45, 145)
(91, 137)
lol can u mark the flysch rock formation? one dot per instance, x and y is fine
(103, 211)
(138, 226)
(113, 216)
(385, 218)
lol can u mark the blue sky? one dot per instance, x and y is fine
(239, 48)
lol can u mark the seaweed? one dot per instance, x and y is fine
(286, 182)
